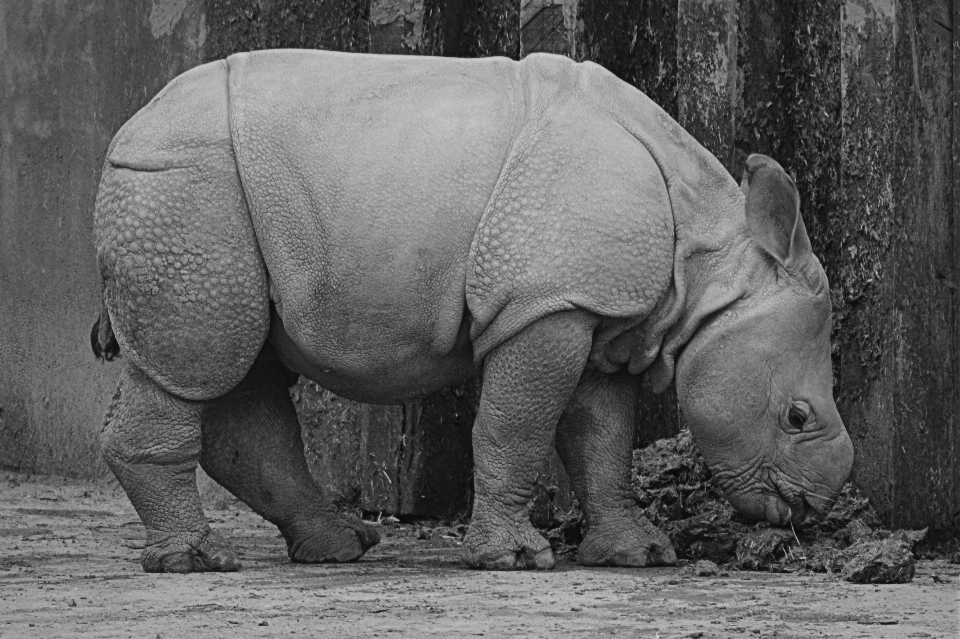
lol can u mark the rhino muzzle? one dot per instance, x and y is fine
(788, 503)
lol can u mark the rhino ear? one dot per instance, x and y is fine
(773, 211)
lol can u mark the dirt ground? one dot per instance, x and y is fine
(69, 567)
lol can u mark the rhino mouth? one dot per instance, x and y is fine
(768, 496)
(785, 503)
(780, 512)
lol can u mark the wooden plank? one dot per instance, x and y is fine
(413, 459)
(707, 73)
(898, 372)
(955, 290)
(923, 268)
(788, 65)
(248, 25)
(762, 30)
(867, 170)
(548, 26)
(480, 28)
(637, 41)
(333, 440)
(396, 26)
(436, 452)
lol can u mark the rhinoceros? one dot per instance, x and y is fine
(387, 226)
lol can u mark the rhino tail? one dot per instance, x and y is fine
(102, 340)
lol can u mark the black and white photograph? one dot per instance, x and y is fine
(480, 318)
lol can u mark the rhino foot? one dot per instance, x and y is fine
(520, 559)
(630, 542)
(197, 552)
(527, 550)
(342, 541)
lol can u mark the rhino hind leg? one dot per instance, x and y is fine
(252, 446)
(151, 441)
(594, 440)
(185, 299)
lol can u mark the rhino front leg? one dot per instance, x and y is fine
(252, 446)
(151, 442)
(527, 382)
(595, 441)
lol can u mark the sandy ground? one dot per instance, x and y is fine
(69, 567)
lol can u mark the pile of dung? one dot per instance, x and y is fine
(882, 559)
(673, 486)
(564, 530)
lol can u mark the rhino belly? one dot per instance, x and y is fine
(378, 368)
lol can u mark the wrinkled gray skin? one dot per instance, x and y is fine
(388, 226)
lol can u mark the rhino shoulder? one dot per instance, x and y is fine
(580, 217)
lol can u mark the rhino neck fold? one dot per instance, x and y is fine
(707, 279)
(710, 234)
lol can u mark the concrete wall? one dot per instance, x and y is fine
(72, 72)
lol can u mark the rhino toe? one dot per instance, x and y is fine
(497, 548)
(522, 559)
(178, 555)
(630, 543)
(341, 544)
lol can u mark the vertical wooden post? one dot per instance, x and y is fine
(637, 41)
(396, 26)
(480, 28)
(955, 289)
(924, 270)
(707, 73)
(867, 355)
(762, 29)
(548, 26)
(898, 371)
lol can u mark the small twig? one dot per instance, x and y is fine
(794, 531)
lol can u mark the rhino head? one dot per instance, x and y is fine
(755, 380)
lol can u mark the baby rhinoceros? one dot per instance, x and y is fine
(391, 225)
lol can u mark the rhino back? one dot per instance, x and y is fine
(366, 178)
(184, 124)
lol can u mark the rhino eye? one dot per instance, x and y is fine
(797, 416)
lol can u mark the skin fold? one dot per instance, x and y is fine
(391, 225)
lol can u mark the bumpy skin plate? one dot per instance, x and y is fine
(183, 280)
